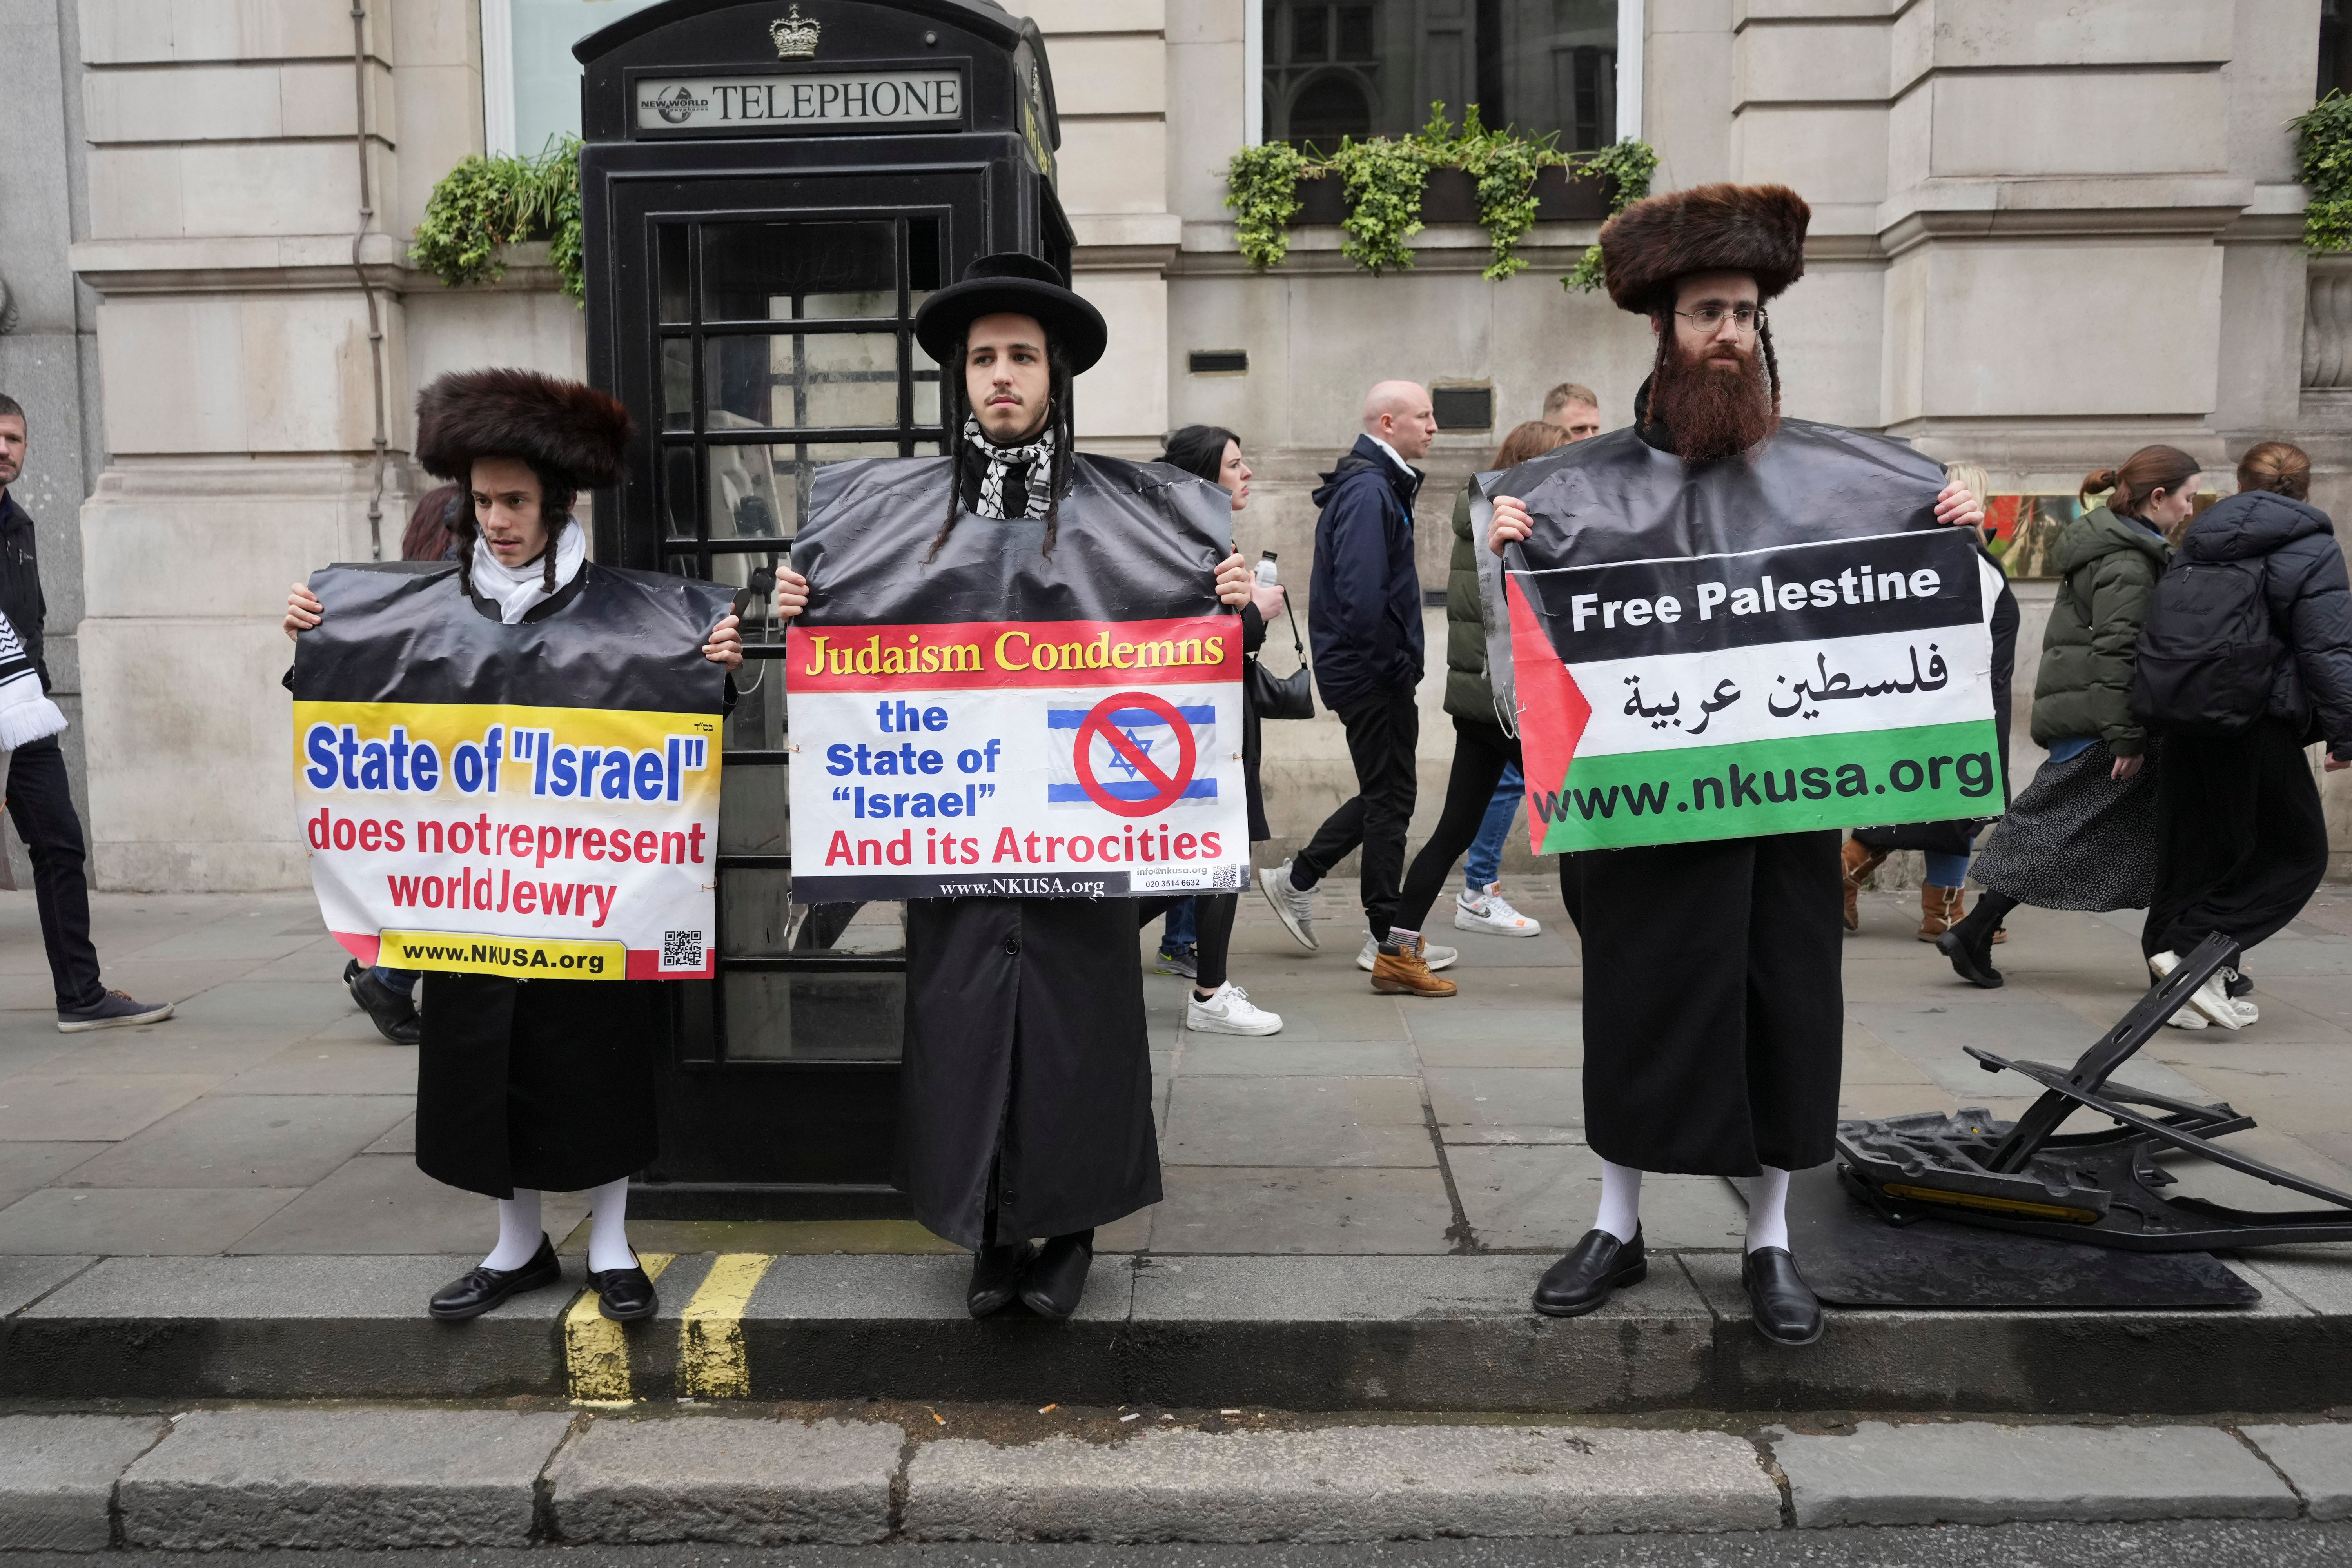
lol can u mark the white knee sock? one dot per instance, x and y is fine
(1768, 1209)
(608, 1235)
(1621, 1201)
(518, 1231)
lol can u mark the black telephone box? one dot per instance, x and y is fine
(769, 191)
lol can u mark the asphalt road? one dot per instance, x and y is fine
(2285, 1544)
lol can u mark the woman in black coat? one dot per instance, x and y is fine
(2241, 839)
(524, 1086)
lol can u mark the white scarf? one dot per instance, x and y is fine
(1039, 457)
(517, 590)
(26, 714)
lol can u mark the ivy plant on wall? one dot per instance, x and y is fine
(485, 204)
(2322, 147)
(1384, 178)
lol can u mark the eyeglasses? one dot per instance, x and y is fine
(1745, 318)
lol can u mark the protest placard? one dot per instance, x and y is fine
(564, 828)
(1807, 685)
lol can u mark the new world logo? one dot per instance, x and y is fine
(678, 105)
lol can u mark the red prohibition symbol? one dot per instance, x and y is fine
(1167, 788)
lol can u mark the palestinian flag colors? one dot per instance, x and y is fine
(1804, 686)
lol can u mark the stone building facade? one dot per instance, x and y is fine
(2043, 236)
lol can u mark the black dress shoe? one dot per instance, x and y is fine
(478, 1290)
(996, 1277)
(1052, 1285)
(1972, 960)
(624, 1295)
(395, 1015)
(1590, 1273)
(1786, 1310)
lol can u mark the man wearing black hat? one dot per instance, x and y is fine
(1025, 1082)
(1713, 1009)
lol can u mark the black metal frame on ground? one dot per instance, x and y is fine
(2096, 1187)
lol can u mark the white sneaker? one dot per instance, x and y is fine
(1491, 913)
(2211, 999)
(1437, 957)
(2187, 1018)
(1229, 1012)
(1292, 907)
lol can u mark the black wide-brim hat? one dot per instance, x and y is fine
(1011, 282)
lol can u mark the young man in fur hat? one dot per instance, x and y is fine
(1025, 1082)
(1713, 1009)
(524, 1088)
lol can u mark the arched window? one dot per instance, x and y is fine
(1327, 107)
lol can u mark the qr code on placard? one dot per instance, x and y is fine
(682, 949)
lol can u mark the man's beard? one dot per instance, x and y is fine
(1711, 413)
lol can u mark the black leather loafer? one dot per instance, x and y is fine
(1972, 964)
(1052, 1285)
(478, 1290)
(395, 1015)
(996, 1277)
(1591, 1272)
(1786, 1310)
(624, 1295)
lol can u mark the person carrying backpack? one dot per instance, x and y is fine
(2246, 659)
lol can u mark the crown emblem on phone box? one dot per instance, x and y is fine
(795, 36)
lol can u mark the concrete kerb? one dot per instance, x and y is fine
(1305, 1333)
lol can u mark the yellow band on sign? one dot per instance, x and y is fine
(526, 958)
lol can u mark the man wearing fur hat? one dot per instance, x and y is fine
(526, 1087)
(1026, 1083)
(1713, 1009)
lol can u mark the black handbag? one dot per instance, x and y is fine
(1288, 696)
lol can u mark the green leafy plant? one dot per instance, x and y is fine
(1384, 181)
(484, 205)
(1262, 191)
(1505, 168)
(2322, 147)
(1631, 165)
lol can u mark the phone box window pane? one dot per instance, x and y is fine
(759, 271)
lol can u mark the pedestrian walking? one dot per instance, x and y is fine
(1025, 1104)
(2083, 834)
(527, 1087)
(1364, 621)
(1214, 1005)
(1483, 753)
(1945, 846)
(2246, 659)
(1575, 408)
(388, 996)
(1713, 1007)
(39, 801)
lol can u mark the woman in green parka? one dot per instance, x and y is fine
(2083, 834)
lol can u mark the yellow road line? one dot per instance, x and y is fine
(596, 1349)
(710, 1357)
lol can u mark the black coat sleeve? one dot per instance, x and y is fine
(1253, 629)
(2319, 633)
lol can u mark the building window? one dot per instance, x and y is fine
(531, 83)
(1372, 67)
(2335, 47)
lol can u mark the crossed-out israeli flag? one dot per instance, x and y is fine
(1120, 768)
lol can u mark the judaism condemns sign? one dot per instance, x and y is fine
(1804, 686)
(538, 800)
(1083, 741)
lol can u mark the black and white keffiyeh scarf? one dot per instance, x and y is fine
(1037, 457)
(26, 714)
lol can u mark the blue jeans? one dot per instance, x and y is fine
(1181, 929)
(1483, 866)
(1946, 870)
(399, 981)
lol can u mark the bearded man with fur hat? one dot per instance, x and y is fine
(545, 1085)
(1025, 1105)
(1713, 1009)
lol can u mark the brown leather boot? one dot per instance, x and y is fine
(1940, 909)
(1860, 860)
(1404, 972)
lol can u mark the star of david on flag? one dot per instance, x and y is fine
(1137, 750)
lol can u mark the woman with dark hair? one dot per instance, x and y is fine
(2083, 834)
(2240, 838)
(1215, 1005)
(548, 1085)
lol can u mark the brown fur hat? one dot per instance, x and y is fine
(1756, 230)
(563, 427)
